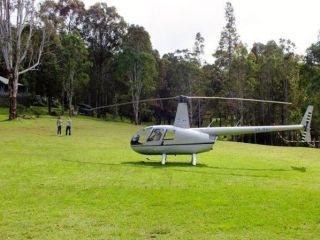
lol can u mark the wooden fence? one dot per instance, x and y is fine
(22, 98)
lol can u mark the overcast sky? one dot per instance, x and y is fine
(173, 24)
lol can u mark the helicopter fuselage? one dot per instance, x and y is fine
(171, 140)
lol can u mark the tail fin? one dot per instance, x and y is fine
(306, 122)
(182, 116)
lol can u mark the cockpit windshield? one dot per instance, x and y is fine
(141, 136)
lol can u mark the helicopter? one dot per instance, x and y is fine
(181, 139)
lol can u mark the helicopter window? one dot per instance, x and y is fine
(155, 135)
(141, 136)
(170, 135)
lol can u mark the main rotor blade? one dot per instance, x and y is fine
(128, 103)
(241, 99)
(191, 97)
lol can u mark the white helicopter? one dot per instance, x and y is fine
(180, 139)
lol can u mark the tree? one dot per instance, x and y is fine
(74, 59)
(238, 74)
(183, 75)
(103, 30)
(229, 40)
(69, 15)
(68, 18)
(162, 110)
(198, 48)
(18, 20)
(137, 65)
(290, 76)
(276, 69)
(47, 81)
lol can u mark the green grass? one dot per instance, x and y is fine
(92, 186)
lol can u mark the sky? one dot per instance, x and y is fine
(173, 24)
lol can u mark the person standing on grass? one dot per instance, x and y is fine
(69, 125)
(59, 125)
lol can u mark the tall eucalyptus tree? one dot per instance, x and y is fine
(137, 66)
(103, 31)
(18, 22)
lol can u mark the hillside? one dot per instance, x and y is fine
(93, 186)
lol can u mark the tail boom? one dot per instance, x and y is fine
(225, 131)
(304, 127)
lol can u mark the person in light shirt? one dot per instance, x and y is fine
(59, 125)
(69, 125)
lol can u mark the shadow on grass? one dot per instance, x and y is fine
(139, 164)
(191, 169)
(299, 169)
(200, 165)
(188, 168)
(5, 120)
(254, 169)
(181, 164)
(168, 164)
(93, 163)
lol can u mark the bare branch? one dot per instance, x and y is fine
(39, 54)
(31, 24)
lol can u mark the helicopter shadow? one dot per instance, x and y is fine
(168, 164)
(187, 168)
(299, 169)
(201, 165)
(91, 163)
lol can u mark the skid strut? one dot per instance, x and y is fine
(194, 159)
(164, 158)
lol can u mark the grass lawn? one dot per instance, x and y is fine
(93, 186)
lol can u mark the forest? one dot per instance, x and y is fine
(67, 54)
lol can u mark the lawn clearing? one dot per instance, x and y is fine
(93, 186)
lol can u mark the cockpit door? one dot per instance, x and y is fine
(155, 137)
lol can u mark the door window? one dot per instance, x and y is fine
(170, 135)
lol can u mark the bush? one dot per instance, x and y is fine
(21, 109)
(38, 101)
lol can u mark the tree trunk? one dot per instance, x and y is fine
(13, 107)
(70, 105)
(199, 115)
(49, 104)
(136, 116)
(62, 102)
(136, 109)
(13, 90)
(70, 93)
